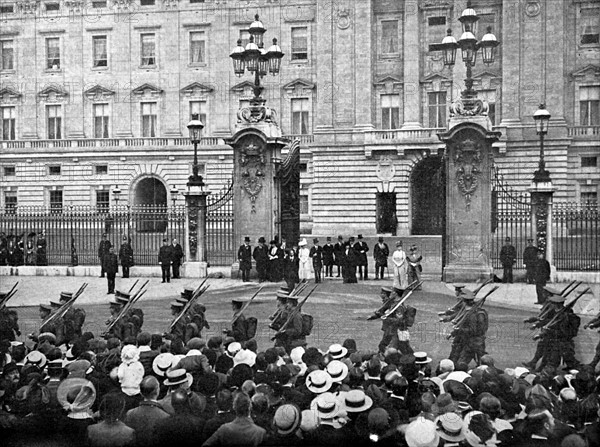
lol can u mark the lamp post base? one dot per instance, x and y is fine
(194, 269)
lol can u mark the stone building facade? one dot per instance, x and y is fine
(97, 94)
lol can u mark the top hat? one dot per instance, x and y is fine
(247, 239)
(351, 238)
(360, 236)
(340, 238)
(261, 240)
(115, 302)
(315, 241)
(328, 238)
(380, 239)
(65, 296)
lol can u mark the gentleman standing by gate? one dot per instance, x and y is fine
(164, 259)
(529, 259)
(103, 248)
(381, 252)
(316, 253)
(261, 257)
(245, 259)
(361, 248)
(177, 256)
(508, 257)
(126, 256)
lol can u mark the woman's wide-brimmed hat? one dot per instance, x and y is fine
(450, 427)
(76, 394)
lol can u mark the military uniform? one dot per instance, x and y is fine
(238, 328)
(508, 256)
(292, 336)
(73, 320)
(103, 248)
(55, 326)
(469, 338)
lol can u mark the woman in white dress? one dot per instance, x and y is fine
(305, 264)
(400, 265)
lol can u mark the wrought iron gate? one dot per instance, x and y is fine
(576, 236)
(511, 217)
(219, 227)
(289, 176)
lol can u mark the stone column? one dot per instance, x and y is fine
(195, 265)
(541, 210)
(412, 87)
(511, 62)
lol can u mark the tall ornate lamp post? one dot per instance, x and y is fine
(541, 117)
(195, 197)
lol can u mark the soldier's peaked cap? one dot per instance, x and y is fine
(556, 298)
(459, 286)
(552, 291)
(45, 307)
(293, 299)
(177, 304)
(114, 302)
(55, 304)
(282, 296)
(66, 295)
(237, 302)
(121, 299)
(182, 300)
(386, 290)
(119, 294)
(187, 293)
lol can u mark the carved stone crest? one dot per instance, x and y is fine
(386, 169)
(468, 160)
(252, 165)
(343, 17)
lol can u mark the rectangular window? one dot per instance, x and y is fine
(437, 109)
(590, 34)
(436, 21)
(56, 201)
(101, 169)
(300, 124)
(589, 106)
(54, 122)
(101, 119)
(436, 31)
(196, 1)
(303, 203)
(8, 123)
(7, 55)
(199, 108)
(389, 37)
(197, 47)
(148, 50)
(52, 6)
(300, 43)
(9, 171)
(54, 170)
(99, 50)
(147, 2)
(390, 111)
(10, 202)
(589, 162)
(149, 119)
(99, 4)
(102, 201)
(53, 53)
(7, 9)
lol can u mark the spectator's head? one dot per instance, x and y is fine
(112, 406)
(242, 405)
(149, 388)
(249, 387)
(179, 401)
(18, 353)
(144, 339)
(156, 342)
(224, 400)
(446, 366)
(260, 403)
(573, 441)
(540, 421)
(491, 406)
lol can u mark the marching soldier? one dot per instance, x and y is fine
(361, 248)
(238, 328)
(73, 319)
(280, 316)
(381, 252)
(195, 319)
(9, 324)
(316, 253)
(389, 331)
(395, 326)
(261, 258)
(245, 259)
(55, 326)
(121, 328)
(328, 259)
(338, 253)
(177, 333)
(134, 318)
(469, 335)
(292, 336)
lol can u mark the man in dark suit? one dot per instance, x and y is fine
(316, 254)
(245, 259)
(338, 253)
(111, 267)
(328, 259)
(381, 251)
(361, 248)
(148, 414)
(176, 257)
(508, 257)
(274, 270)
(541, 276)
(349, 262)
(102, 252)
(261, 257)
(529, 259)
(165, 256)
(126, 256)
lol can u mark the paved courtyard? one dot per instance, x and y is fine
(339, 311)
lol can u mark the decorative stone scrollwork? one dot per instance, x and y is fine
(193, 208)
(343, 18)
(257, 113)
(75, 6)
(252, 164)
(468, 160)
(28, 6)
(471, 107)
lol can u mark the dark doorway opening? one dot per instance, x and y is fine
(387, 221)
(428, 185)
(151, 202)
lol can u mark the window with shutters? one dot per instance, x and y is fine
(149, 119)
(54, 122)
(590, 28)
(7, 55)
(99, 51)
(101, 120)
(53, 53)
(436, 102)
(199, 108)
(389, 37)
(589, 106)
(148, 45)
(8, 123)
(300, 116)
(300, 43)
(197, 48)
(390, 111)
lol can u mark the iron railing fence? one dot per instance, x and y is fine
(221, 250)
(77, 230)
(576, 236)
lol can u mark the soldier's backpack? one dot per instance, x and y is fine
(78, 320)
(573, 324)
(136, 317)
(409, 316)
(307, 325)
(251, 325)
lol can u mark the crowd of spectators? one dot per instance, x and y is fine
(138, 393)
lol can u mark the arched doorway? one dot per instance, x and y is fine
(150, 200)
(428, 191)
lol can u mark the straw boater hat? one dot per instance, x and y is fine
(318, 381)
(337, 370)
(421, 358)
(450, 427)
(179, 377)
(337, 351)
(475, 430)
(326, 405)
(422, 433)
(76, 394)
(287, 419)
(36, 358)
(161, 363)
(356, 401)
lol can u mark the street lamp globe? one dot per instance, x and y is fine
(468, 46)
(116, 193)
(541, 117)
(274, 56)
(174, 193)
(449, 46)
(237, 55)
(469, 19)
(251, 55)
(195, 127)
(257, 30)
(488, 46)
(263, 61)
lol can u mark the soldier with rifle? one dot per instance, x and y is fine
(73, 319)
(9, 319)
(188, 316)
(242, 328)
(291, 334)
(546, 314)
(177, 330)
(279, 317)
(125, 321)
(594, 324)
(117, 326)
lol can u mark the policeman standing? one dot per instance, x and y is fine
(244, 255)
(102, 252)
(529, 259)
(508, 257)
(126, 256)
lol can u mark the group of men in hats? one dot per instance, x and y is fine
(63, 330)
(16, 251)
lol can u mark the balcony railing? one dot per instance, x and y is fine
(584, 131)
(402, 135)
(106, 142)
(304, 139)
